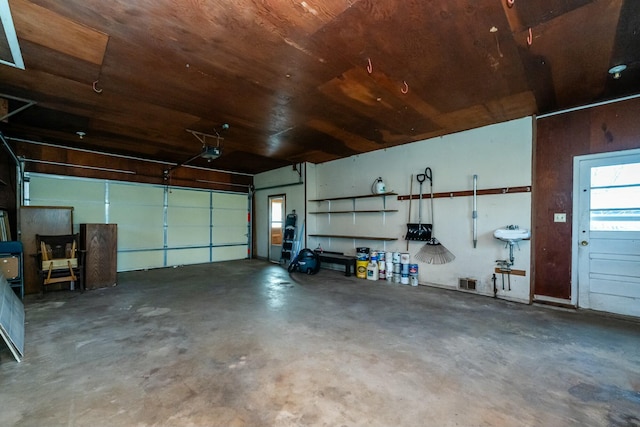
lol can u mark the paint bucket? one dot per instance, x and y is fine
(389, 272)
(396, 257)
(372, 270)
(381, 256)
(413, 274)
(388, 257)
(362, 254)
(373, 255)
(382, 274)
(396, 268)
(405, 258)
(396, 278)
(404, 274)
(361, 268)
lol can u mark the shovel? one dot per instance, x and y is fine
(419, 232)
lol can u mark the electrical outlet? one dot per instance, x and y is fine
(559, 217)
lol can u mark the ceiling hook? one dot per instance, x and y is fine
(369, 66)
(405, 89)
(95, 89)
(530, 37)
(510, 3)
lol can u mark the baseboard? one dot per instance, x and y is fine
(556, 302)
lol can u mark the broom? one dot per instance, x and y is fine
(433, 252)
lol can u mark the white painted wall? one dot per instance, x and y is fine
(501, 156)
(273, 183)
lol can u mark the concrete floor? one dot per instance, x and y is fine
(244, 344)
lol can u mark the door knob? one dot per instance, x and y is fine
(584, 243)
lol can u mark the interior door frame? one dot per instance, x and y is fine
(282, 196)
(575, 223)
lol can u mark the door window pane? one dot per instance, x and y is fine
(615, 198)
(277, 209)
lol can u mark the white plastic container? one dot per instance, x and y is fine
(372, 270)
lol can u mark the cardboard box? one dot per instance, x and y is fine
(10, 267)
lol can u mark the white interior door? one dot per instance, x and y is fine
(607, 232)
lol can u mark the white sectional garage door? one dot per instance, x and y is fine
(157, 226)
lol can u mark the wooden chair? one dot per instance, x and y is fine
(59, 260)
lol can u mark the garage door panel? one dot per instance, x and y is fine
(188, 256)
(187, 236)
(229, 253)
(128, 261)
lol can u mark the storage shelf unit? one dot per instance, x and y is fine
(366, 196)
(354, 211)
(358, 211)
(12, 263)
(341, 236)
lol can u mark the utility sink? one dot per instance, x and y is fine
(512, 234)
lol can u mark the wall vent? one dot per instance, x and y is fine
(467, 284)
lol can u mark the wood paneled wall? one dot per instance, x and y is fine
(60, 161)
(559, 139)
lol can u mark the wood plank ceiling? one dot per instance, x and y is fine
(310, 80)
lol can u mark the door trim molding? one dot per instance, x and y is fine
(576, 215)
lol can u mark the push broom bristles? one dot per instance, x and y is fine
(434, 253)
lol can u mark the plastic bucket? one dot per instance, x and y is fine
(361, 268)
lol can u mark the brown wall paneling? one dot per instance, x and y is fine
(560, 138)
(63, 161)
(101, 256)
(40, 220)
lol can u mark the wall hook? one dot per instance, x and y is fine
(369, 66)
(405, 89)
(530, 37)
(510, 3)
(95, 89)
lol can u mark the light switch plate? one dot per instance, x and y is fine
(559, 217)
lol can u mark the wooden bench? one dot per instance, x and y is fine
(338, 258)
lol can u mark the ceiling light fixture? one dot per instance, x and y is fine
(617, 70)
(80, 134)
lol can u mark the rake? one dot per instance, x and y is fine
(433, 252)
